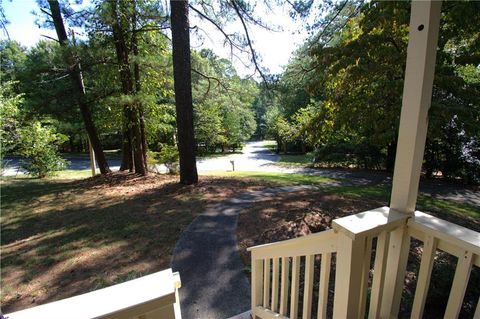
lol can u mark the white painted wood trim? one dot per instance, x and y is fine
(266, 283)
(302, 246)
(132, 298)
(365, 276)
(324, 285)
(295, 287)
(284, 286)
(275, 283)
(399, 246)
(459, 286)
(348, 277)
(308, 286)
(378, 274)
(417, 95)
(257, 287)
(369, 223)
(457, 235)
(424, 274)
(268, 314)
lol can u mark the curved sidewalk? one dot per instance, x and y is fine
(214, 285)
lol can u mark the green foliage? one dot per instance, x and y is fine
(167, 156)
(9, 117)
(341, 93)
(224, 116)
(38, 144)
(12, 60)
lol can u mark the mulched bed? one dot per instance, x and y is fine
(291, 215)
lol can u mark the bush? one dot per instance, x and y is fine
(167, 156)
(349, 154)
(39, 144)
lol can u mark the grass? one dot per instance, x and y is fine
(279, 178)
(62, 237)
(270, 144)
(289, 160)
(428, 203)
(374, 192)
(295, 159)
(67, 235)
(424, 202)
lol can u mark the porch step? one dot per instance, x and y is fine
(245, 315)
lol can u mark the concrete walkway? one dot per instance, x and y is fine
(214, 285)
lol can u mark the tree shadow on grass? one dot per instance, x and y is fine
(61, 238)
(54, 251)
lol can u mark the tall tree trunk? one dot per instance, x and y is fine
(138, 86)
(183, 90)
(127, 155)
(128, 89)
(75, 75)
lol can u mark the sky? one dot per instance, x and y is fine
(274, 48)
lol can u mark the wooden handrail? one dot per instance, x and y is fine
(351, 241)
(447, 231)
(154, 294)
(317, 243)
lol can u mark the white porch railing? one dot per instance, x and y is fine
(279, 269)
(149, 297)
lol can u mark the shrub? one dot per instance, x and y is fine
(39, 144)
(167, 156)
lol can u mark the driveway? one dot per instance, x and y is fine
(256, 157)
(75, 163)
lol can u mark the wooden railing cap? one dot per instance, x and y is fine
(371, 222)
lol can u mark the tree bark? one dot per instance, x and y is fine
(127, 156)
(183, 90)
(75, 75)
(131, 110)
(138, 86)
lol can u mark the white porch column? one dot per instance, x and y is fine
(417, 94)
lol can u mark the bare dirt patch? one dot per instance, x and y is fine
(63, 238)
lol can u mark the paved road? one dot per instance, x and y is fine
(75, 163)
(255, 157)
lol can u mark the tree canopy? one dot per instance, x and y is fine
(339, 96)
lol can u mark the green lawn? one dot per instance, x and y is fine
(377, 192)
(290, 159)
(279, 178)
(424, 202)
(66, 236)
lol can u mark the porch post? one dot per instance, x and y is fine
(417, 94)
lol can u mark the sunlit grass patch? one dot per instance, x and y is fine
(275, 177)
(424, 202)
